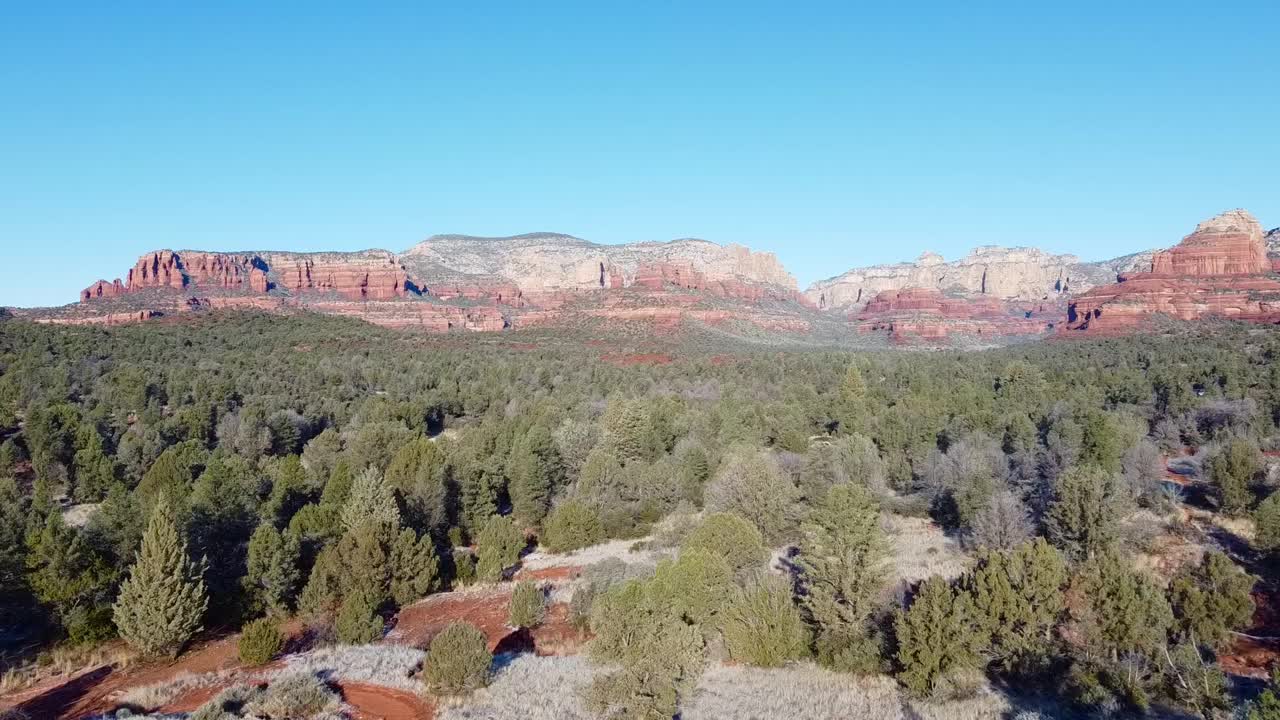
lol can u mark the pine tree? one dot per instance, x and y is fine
(937, 643)
(626, 429)
(1211, 599)
(841, 559)
(417, 458)
(94, 471)
(163, 600)
(852, 412)
(288, 491)
(273, 567)
(572, 525)
(358, 622)
(1266, 518)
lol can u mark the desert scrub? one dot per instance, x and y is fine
(531, 688)
(382, 664)
(227, 704)
(528, 605)
(294, 696)
(260, 641)
(458, 661)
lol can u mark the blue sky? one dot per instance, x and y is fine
(833, 134)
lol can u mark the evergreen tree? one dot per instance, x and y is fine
(1232, 470)
(1125, 611)
(751, 484)
(68, 575)
(762, 626)
(371, 500)
(1084, 516)
(626, 430)
(1266, 518)
(695, 585)
(417, 458)
(534, 471)
(1196, 683)
(414, 567)
(498, 547)
(162, 601)
(94, 471)
(572, 525)
(841, 558)
(729, 537)
(358, 622)
(273, 567)
(1267, 704)
(1017, 599)
(938, 645)
(1211, 599)
(288, 491)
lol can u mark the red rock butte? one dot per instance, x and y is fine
(926, 315)
(1219, 270)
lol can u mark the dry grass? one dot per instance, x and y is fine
(530, 688)
(628, 551)
(920, 549)
(386, 665)
(152, 697)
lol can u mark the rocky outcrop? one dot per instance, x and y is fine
(926, 315)
(371, 275)
(1025, 274)
(1219, 270)
(548, 262)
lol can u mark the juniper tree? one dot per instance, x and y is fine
(658, 656)
(1211, 599)
(1124, 610)
(1232, 470)
(358, 622)
(762, 626)
(1017, 599)
(414, 567)
(67, 574)
(695, 585)
(841, 559)
(498, 547)
(534, 470)
(273, 567)
(938, 644)
(162, 602)
(371, 500)
(729, 537)
(1084, 516)
(572, 525)
(750, 483)
(1266, 518)
(528, 605)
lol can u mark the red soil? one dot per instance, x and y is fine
(554, 574)
(417, 624)
(374, 702)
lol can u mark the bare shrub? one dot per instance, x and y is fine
(389, 665)
(300, 695)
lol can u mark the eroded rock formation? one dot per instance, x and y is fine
(1219, 270)
(926, 315)
(1025, 274)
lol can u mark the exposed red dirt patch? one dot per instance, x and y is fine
(556, 636)
(1249, 657)
(374, 702)
(417, 624)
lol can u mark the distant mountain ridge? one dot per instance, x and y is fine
(552, 279)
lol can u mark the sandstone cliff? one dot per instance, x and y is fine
(925, 315)
(1006, 273)
(548, 262)
(1219, 270)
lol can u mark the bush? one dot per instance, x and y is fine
(762, 626)
(528, 606)
(357, 622)
(260, 641)
(294, 696)
(728, 536)
(458, 661)
(464, 568)
(571, 526)
(750, 483)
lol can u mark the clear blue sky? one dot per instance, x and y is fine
(831, 134)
